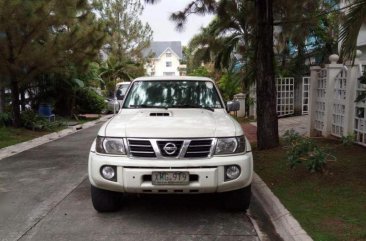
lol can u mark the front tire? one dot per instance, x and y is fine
(104, 200)
(238, 200)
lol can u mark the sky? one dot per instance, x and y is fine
(157, 16)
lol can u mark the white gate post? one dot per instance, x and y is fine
(333, 69)
(241, 98)
(314, 72)
(355, 72)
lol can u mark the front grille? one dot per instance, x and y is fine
(199, 148)
(177, 144)
(169, 148)
(141, 148)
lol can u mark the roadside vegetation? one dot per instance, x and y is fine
(11, 136)
(329, 203)
(64, 58)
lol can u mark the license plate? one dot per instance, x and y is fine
(170, 178)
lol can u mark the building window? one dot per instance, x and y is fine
(168, 63)
(169, 73)
(168, 54)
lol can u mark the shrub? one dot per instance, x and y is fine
(348, 139)
(88, 101)
(31, 120)
(304, 150)
(5, 119)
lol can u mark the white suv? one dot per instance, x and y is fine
(173, 135)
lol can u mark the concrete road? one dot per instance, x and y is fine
(45, 195)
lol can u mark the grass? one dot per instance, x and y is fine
(330, 206)
(11, 136)
(243, 120)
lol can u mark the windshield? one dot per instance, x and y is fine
(173, 94)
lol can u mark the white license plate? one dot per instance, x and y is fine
(170, 178)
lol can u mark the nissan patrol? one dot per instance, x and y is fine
(173, 135)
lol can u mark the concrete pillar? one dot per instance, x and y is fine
(332, 70)
(253, 105)
(241, 98)
(354, 72)
(314, 72)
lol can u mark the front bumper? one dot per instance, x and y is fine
(209, 173)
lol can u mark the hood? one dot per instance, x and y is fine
(171, 123)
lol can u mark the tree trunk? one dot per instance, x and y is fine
(2, 97)
(267, 123)
(15, 100)
(22, 99)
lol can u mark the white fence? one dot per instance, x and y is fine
(285, 96)
(332, 106)
(305, 95)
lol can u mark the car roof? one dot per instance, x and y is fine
(181, 78)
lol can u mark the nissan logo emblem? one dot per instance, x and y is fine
(170, 148)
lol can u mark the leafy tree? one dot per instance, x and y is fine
(200, 71)
(230, 84)
(43, 36)
(127, 37)
(246, 28)
(127, 34)
(313, 30)
(262, 31)
(228, 40)
(113, 71)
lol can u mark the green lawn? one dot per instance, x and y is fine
(329, 206)
(10, 136)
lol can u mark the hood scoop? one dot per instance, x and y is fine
(160, 114)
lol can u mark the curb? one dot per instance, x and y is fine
(284, 223)
(23, 146)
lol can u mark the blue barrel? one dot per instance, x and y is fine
(45, 110)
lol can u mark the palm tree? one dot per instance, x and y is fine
(230, 14)
(355, 17)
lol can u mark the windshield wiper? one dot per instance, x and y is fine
(148, 106)
(193, 106)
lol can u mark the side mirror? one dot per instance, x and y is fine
(232, 105)
(116, 105)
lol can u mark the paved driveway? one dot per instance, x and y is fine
(44, 195)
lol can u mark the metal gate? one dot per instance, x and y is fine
(305, 95)
(320, 100)
(285, 96)
(339, 103)
(360, 116)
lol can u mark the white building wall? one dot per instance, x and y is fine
(160, 65)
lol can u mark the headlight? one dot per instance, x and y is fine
(230, 145)
(110, 145)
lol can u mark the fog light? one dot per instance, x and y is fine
(232, 172)
(108, 172)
